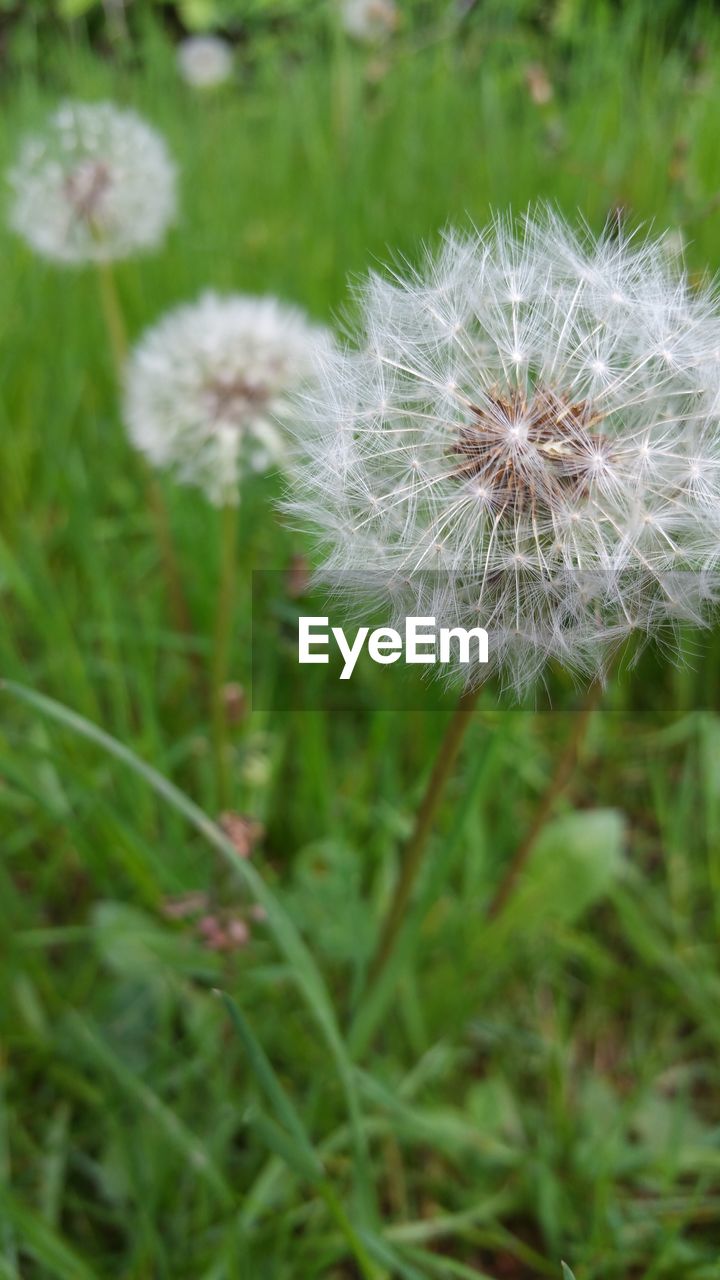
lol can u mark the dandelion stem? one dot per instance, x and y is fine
(113, 316)
(560, 778)
(222, 644)
(415, 847)
(166, 546)
(117, 337)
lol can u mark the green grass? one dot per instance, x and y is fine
(537, 1089)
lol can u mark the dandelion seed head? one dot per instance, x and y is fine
(205, 61)
(560, 396)
(97, 184)
(208, 388)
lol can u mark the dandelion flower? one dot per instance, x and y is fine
(97, 185)
(369, 21)
(205, 61)
(526, 438)
(209, 386)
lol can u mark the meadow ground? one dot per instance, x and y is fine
(536, 1088)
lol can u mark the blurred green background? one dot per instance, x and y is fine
(538, 1088)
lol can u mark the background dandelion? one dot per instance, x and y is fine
(205, 61)
(98, 184)
(207, 390)
(208, 387)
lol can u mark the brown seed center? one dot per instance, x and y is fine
(530, 452)
(85, 187)
(230, 398)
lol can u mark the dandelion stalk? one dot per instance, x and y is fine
(414, 852)
(442, 770)
(113, 316)
(95, 186)
(168, 554)
(222, 644)
(559, 780)
(207, 390)
(117, 337)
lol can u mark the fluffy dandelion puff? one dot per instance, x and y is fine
(205, 61)
(525, 437)
(369, 21)
(209, 388)
(97, 184)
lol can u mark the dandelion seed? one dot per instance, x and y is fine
(205, 61)
(209, 386)
(97, 185)
(559, 395)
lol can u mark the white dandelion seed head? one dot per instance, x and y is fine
(208, 389)
(97, 185)
(205, 61)
(369, 21)
(528, 438)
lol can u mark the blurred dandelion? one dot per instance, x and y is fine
(207, 393)
(369, 21)
(97, 185)
(208, 387)
(205, 61)
(526, 438)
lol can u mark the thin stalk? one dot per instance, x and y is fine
(168, 555)
(222, 644)
(117, 337)
(113, 317)
(564, 769)
(417, 843)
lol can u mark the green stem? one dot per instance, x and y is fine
(168, 555)
(222, 645)
(362, 1257)
(560, 778)
(117, 337)
(113, 317)
(417, 843)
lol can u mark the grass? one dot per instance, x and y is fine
(538, 1088)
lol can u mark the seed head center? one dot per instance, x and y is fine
(531, 452)
(231, 398)
(85, 187)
